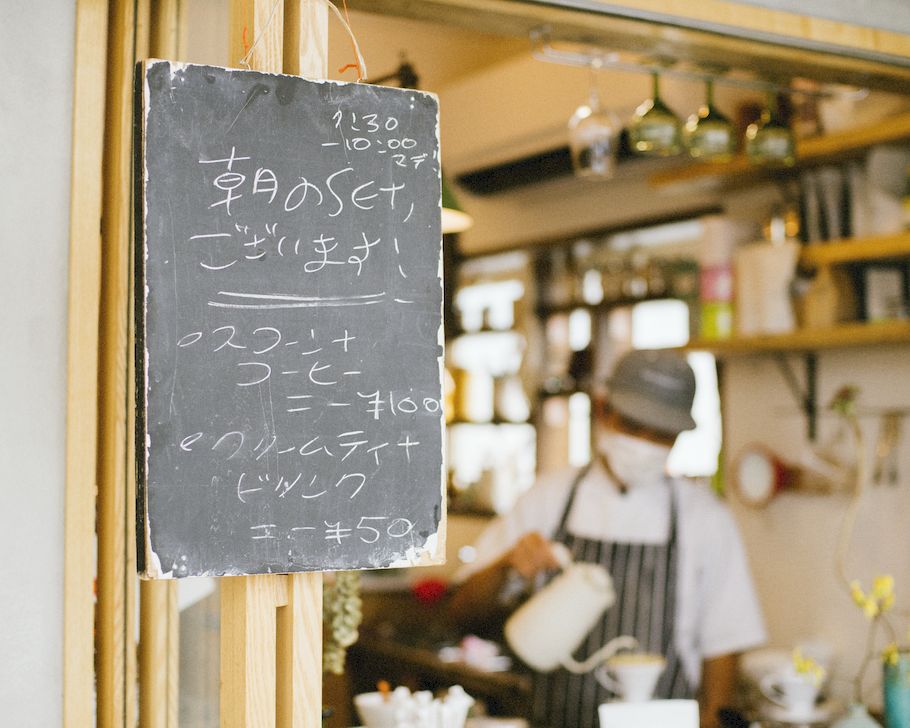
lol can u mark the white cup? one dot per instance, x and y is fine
(793, 692)
(632, 676)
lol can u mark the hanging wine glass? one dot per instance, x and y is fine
(594, 137)
(708, 134)
(655, 130)
(770, 140)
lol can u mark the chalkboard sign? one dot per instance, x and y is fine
(289, 325)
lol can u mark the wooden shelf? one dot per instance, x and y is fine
(379, 655)
(809, 152)
(836, 252)
(855, 334)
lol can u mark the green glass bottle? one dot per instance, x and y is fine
(655, 130)
(770, 140)
(708, 134)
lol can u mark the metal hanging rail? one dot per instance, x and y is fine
(586, 56)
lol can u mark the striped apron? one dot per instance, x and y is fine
(644, 576)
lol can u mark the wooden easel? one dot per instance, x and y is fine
(271, 625)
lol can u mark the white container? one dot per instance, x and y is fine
(764, 272)
(542, 636)
(662, 713)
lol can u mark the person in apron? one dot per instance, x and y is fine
(651, 395)
(644, 576)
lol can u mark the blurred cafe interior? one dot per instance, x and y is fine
(639, 196)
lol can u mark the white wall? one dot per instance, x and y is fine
(36, 69)
(792, 542)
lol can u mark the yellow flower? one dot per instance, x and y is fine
(883, 591)
(808, 666)
(879, 599)
(890, 655)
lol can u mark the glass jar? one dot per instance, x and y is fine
(612, 274)
(635, 282)
(770, 140)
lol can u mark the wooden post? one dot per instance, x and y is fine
(115, 619)
(271, 625)
(82, 360)
(159, 617)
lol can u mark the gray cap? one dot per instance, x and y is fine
(655, 389)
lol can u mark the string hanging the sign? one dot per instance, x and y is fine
(361, 63)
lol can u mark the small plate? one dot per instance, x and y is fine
(822, 713)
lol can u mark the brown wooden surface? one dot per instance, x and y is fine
(164, 29)
(158, 654)
(159, 621)
(116, 614)
(376, 657)
(836, 252)
(306, 38)
(854, 334)
(781, 23)
(627, 33)
(271, 651)
(252, 20)
(300, 653)
(82, 361)
(248, 639)
(271, 625)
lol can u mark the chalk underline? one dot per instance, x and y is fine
(289, 301)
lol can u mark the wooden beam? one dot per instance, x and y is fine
(82, 361)
(116, 612)
(299, 688)
(248, 643)
(158, 654)
(306, 44)
(880, 63)
(736, 17)
(271, 626)
(257, 34)
(164, 29)
(306, 53)
(159, 623)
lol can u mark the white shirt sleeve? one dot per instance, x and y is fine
(538, 509)
(729, 617)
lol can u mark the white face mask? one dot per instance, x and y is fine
(633, 460)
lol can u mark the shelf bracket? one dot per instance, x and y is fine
(806, 396)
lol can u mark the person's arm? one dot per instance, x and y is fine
(718, 687)
(477, 600)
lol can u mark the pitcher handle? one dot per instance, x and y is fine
(769, 689)
(602, 655)
(602, 675)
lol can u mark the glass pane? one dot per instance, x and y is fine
(696, 452)
(660, 324)
(579, 429)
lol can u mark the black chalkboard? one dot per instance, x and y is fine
(288, 319)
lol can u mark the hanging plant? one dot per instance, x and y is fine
(341, 617)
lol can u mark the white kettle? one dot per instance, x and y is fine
(550, 626)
